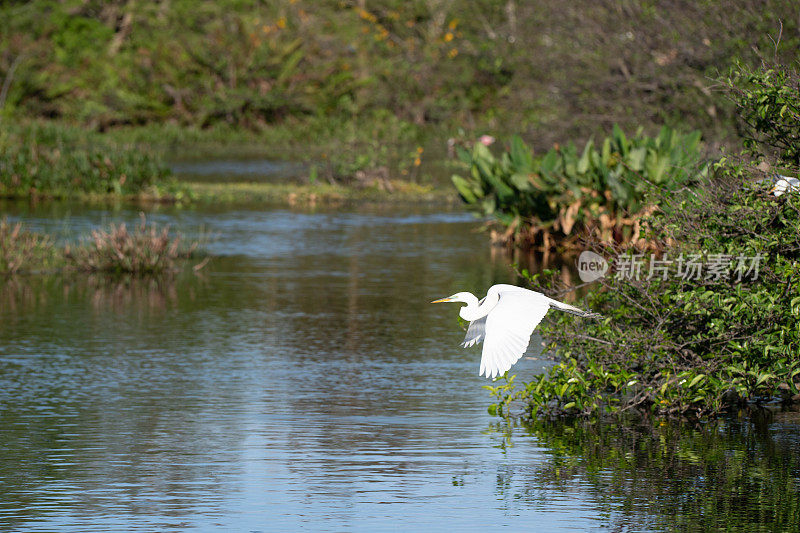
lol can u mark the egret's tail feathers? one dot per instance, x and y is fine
(554, 304)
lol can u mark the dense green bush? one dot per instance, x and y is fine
(691, 345)
(769, 111)
(601, 190)
(47, 159)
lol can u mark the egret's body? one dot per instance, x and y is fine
(783, 184)
(504, 320)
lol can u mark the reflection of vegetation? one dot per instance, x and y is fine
(22, 295)
(561, 194)
(116, 250)
(696, 342)
(729, 475)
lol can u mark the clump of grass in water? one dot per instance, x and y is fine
(116, 250)
(22, 250)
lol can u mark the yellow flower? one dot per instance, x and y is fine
(452, 53)
(453, 24)
(417, 162)
(366, 15)
(420, 149)
(448, 37)
(282, 22)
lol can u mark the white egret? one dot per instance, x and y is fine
(782, 184)
(504, 320)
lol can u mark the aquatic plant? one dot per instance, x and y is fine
(601, 192)
(23, 250)
(117, 250)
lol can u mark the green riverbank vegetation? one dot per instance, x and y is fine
(565, 196)
(358, 90)
(142, 250)
(54, 160)
(715, 340)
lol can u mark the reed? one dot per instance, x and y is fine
(146, 249)
(22, 250)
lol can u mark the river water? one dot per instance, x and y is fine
(302, 381)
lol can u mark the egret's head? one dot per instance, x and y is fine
(457, 297)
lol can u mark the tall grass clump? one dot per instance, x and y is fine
(22, 250)
(146, 249)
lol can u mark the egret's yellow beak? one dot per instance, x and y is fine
(442, 300)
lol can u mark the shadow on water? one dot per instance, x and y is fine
(735, 474)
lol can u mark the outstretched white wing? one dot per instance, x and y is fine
(508, 329)
(476, 331)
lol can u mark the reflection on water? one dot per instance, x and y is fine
(303, 381)
(728, 475)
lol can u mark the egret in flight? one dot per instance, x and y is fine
(504, 320)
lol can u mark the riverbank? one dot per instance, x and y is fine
(51, 160)
(251, 194)
(389, 192)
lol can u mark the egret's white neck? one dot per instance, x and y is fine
(473, 311)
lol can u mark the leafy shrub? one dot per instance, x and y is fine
(686, 347)
(769, 111)
(564, 194)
